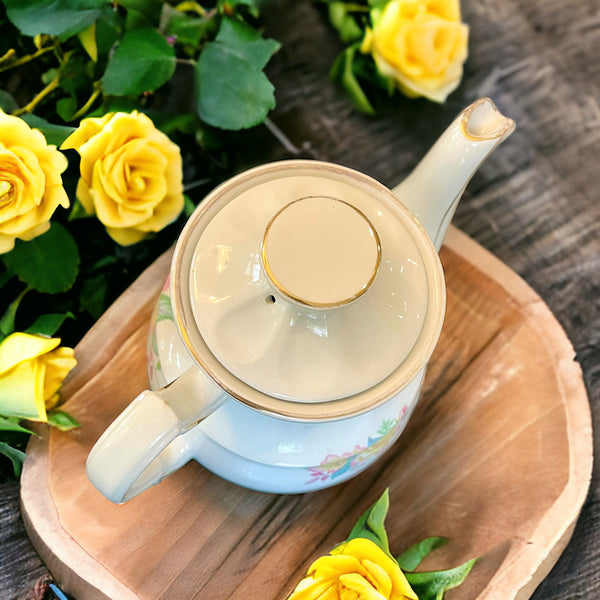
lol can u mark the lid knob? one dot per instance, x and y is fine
(321, 252)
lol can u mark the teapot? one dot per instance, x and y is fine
(288, 346)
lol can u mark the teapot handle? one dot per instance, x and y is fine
(147, 441)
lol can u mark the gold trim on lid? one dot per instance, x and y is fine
(303, 301)
(270, 402)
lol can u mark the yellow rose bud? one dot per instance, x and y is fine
(30, 182)
(421, 44)
(32, 369)
(131, 174)
(358, 570)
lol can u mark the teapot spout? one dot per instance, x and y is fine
(433, 189)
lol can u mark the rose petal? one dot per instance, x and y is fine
(59, 363)
(21, 391)
(85, 196)
(19, 347)
(361, 587)
(378, 576)
(311, 589)
(125, 236)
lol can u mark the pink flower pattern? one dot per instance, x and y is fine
(336, 465)
(162, 311)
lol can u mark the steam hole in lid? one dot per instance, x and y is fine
(270, 299)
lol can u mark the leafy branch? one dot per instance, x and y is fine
(95, 55)
(430, 585)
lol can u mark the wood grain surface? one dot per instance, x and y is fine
(497, 457)
(534, 204)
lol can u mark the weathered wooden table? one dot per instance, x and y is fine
(535, 203)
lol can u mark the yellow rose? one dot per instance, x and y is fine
(30, 181)
(421, 44)
(131, 174)
(32, 369)
(355, 570)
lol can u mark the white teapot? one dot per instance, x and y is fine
(288, 347)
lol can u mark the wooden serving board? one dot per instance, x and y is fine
(497, 457)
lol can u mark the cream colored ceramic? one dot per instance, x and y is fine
(288, 347)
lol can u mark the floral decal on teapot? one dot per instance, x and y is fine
(334, 465)
(162, 312)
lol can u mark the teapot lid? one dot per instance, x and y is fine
(305, 289)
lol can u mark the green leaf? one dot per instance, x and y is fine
(378, 4)
(48, 263)
(5, 277)
(49, 75)
(232, 91)
(12, 424)
(16, 456)
(141, 13)
(49, 324)
(165, 310)
(185, 28)
(62, 420)
(170, 123)
(78, 211)
(7, 103)
(226, 6)
(76, 74)
(93, 295)
(54, 134)
(371, 524)
(347, 27)
(188, 206)
(343, 72)
(66, 107)
(411, 558)
(62, 18)
(376, 518)
(7, 323)
(109, 29)
(102, 263)
(116, 104)
(434, 584)
(143, 61)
